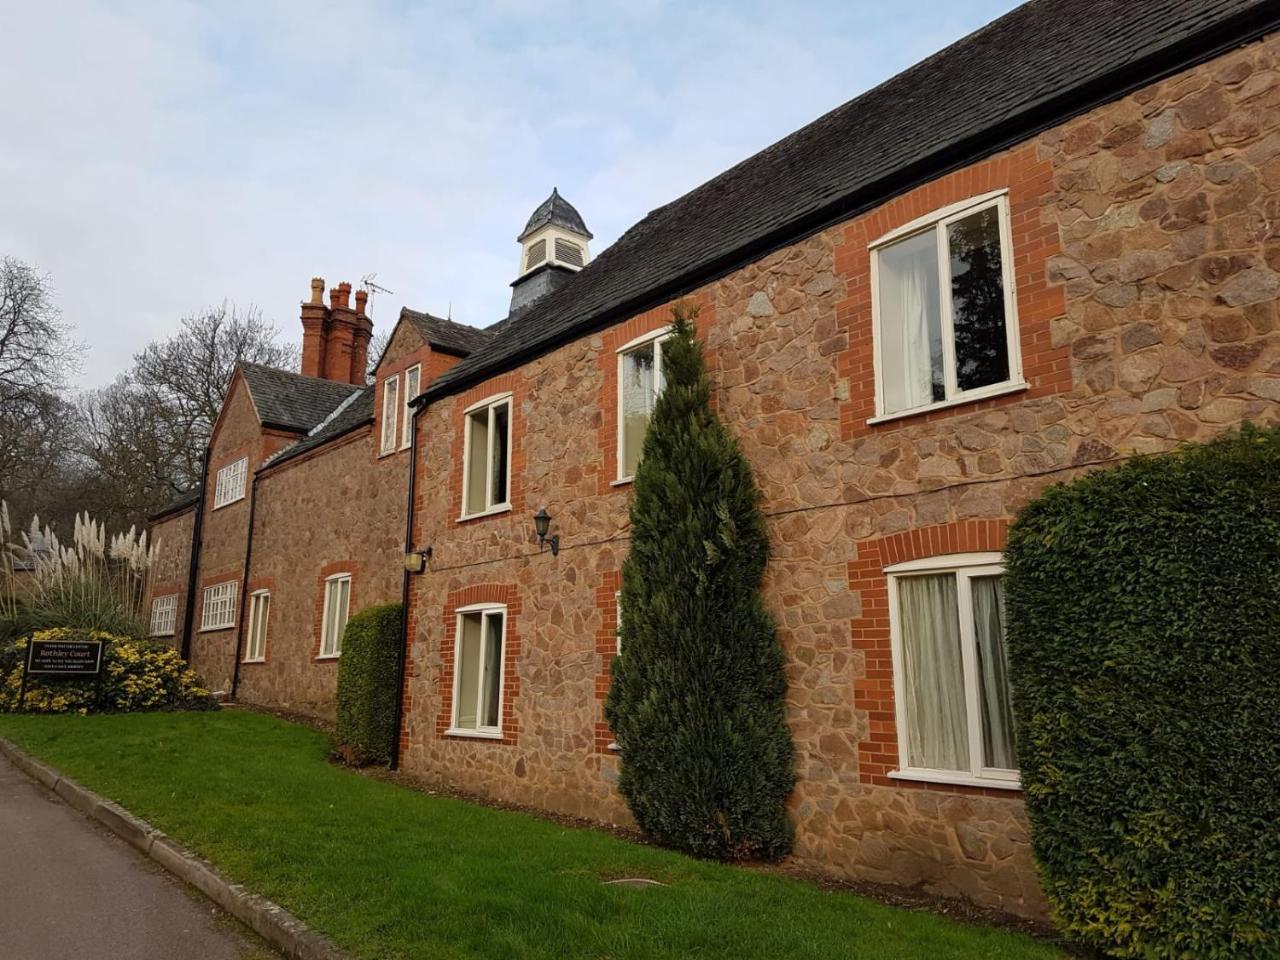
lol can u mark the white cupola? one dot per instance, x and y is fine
(553, 244)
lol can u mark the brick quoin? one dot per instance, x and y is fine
(607, 648)
(508, 595)
(873, 692)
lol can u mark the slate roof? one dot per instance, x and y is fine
(290, 401)
(353, 415)
(176, 505)
(455, 338)
(1042, 63)
(556, 209)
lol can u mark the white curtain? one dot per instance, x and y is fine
(993, 673)
(910, 321)
(933, 671)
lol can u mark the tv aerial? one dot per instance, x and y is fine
(367, 282)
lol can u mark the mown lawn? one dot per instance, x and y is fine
(390, 872)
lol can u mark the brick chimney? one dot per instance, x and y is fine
(362, 333)
(341, 342)
(315, 330)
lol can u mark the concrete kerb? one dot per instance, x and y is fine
(269, 920)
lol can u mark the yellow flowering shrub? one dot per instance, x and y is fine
(136, 675)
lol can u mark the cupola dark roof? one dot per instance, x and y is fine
(555, 209)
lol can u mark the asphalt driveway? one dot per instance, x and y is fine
(70, 889)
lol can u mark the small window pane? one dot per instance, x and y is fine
(492, 680)
(501, 424)
(993, 673)
(390, 407)
(639, 394)
(477, 458)
(466, 711)
(412, 381)
(977, 300)
(933, 673)
(910, 323)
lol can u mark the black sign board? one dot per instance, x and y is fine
(67, 658)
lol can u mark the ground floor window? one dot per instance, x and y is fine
(337, 605)
(477, 670)
(259, 609)
(164, 615)
(955, 717)
(219, 610)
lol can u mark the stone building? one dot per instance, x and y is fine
(1048, 248)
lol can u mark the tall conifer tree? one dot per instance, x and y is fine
(697, 699)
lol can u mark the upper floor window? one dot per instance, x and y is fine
(230, 484)
(219, 610)
(640, 380)
(337, 606)
(942, 299)
(486, 457)
(255, 650)
(390, 408)
(412, 384)
(477, 670)
(164, 616)
(950, 667)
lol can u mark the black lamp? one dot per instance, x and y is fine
(541, 524)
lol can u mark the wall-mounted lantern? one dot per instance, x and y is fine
(415, 561)
(541, 524)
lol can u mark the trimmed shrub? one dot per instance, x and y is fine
(697, 697)
(1144, 642)
(367, 674)
(136, 675)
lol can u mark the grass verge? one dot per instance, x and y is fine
(392, 873)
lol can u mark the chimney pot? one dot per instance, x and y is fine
(317, 290)
(338, 296)
(362, 297)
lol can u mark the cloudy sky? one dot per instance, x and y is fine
(161, 156)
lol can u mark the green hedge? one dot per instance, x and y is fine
(1144, 639)
(367, 677)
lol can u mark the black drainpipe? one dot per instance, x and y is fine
(244, 586)
(404, 590)
(188, 614)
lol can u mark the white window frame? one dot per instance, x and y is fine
(966, 566)
(390, 409)
(481, 733)
(492, 403)
(938, 221)
(216, 593)
(331, 649)
(223, 493)
(164, 615)
(656, 337)
(255, 647)
(406, 427)
(617, 631)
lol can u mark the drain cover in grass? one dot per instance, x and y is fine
(633, 882)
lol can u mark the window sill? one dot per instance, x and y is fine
(229, 503)
(473, 734)
(955, 780)
(613, 747)
(255, 660)
(383, 454)
(229, 626)
(328, 656)
(491, 512)
(973, 396)
(622, 481)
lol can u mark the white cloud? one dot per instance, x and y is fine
(159, 157)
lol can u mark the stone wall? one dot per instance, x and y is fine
(1146, 267)
(171, 536)
(339, 508)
